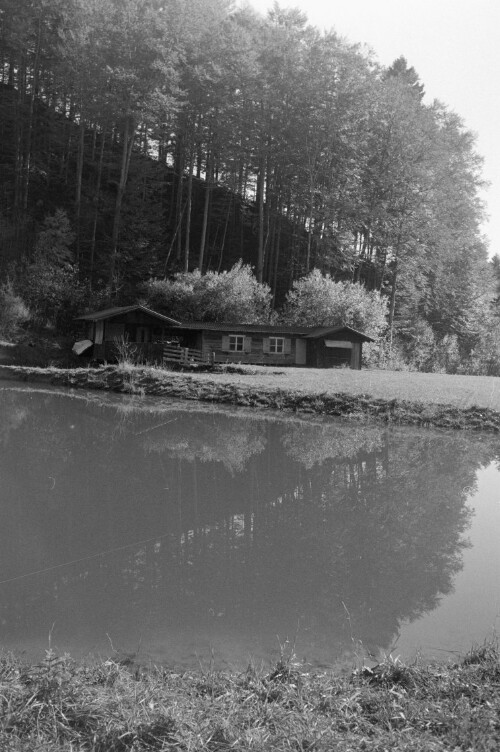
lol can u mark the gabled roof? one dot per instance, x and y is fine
(328, 331)
(211, 326)
(110, 313)
(308, 332)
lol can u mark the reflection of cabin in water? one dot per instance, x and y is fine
(265, 344)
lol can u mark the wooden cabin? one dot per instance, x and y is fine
(142, 330)
(314, 347)
(146, 333)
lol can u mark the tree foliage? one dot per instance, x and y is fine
(49, 283)
(53, 245)
(13, 311)
(233, 296)
(189, 134)
(317, 300)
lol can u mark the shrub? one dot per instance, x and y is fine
(55, 239)
(233, 296)
(448, 354)
(484, 358)
(381, 354)
(13, 311)
(54, 294)
(317, 300)
(49, 282)
(420, 347)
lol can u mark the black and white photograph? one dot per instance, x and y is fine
(249, 351)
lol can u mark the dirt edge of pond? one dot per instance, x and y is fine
(185, 386)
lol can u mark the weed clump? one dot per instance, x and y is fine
(104, 707)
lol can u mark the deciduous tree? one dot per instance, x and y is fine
(317, 300)
(232, 296)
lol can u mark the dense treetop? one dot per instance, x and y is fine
(187, 134)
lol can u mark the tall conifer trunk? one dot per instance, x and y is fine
(206, 206)
(96, 205)
(260, 203)
(128, 141)
(78, 191)
(31, 117)
(178, 201)
(392, 304)
(189, 201)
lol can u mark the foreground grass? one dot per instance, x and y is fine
(61, 705)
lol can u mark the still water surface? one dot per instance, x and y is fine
(192, 534)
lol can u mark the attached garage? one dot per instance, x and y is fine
(335, 347)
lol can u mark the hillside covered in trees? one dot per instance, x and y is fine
(144, 139)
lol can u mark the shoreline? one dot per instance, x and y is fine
(113, 705)
(204, 387)
(119, 705)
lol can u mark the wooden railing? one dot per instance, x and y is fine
(186, 355)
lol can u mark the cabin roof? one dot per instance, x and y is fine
(328, 331)
(110, 313)
(211, 326)
(308, 332)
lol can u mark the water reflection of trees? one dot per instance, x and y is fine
(230, 442)
(331, 530)
(313, 443)
(13, 414)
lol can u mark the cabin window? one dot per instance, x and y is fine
(236, 343)
(277, 345)
(344, 344)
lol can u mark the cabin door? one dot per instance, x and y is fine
(99, 332)
(300, 352)
(141, 334)
(356, 355)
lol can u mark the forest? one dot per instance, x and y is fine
(161, 149)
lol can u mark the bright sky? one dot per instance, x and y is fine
(454, 45)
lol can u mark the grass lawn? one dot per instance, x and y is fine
(400, 397)
(435, 388)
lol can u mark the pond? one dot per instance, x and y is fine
(185, 535)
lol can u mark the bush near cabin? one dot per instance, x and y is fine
(230, 297)
(317, 300)
(13, 311)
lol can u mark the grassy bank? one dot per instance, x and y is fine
(430, 388)
(449, 402)
(107, 707)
